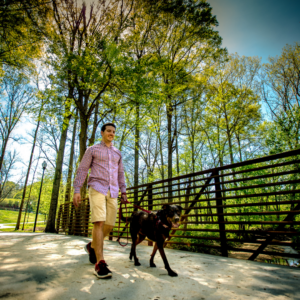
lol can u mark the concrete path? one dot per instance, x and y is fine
(38, 266)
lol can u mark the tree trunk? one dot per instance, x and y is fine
(29, 167)
(26, 210)
(176, 143)
(50, 227)
(170, 144)
(162, 161)
(82, 147)
(95, 125)
(136, 151)
(70, 171)
(4, 145)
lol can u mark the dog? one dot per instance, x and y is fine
(156, 226)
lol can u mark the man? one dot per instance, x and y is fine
(105, 180)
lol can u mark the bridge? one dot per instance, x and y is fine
(249, 208)
(225, 208)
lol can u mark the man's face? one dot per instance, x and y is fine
(108, 134)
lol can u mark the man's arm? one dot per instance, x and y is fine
(81, 174)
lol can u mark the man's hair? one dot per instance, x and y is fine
(107, 124)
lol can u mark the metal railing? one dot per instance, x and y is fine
(255, 201)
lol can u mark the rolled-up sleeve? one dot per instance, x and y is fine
(83, 170)
(121, 177)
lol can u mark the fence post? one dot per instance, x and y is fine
(71, 229)
(58, 218)
(220, 212)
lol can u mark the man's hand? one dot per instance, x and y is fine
(76, 199)
(123, 198)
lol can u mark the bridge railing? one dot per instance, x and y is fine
(225, 208)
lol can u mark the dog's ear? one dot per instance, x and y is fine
(180, 208)
(166, 207)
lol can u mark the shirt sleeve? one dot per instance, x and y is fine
(121, 177)
(83, 170)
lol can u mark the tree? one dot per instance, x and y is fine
(16, 95)
(281, 93)
(42, 97)
(184, 42)
(233, 107)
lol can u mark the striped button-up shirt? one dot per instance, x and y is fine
(107, 170)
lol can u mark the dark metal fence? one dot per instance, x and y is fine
(225, 208)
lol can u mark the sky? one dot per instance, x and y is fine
(257, 27)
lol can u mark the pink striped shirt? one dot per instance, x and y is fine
(107, 170)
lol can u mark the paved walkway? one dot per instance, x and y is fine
(38, 266)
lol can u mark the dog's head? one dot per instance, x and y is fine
(172, 214)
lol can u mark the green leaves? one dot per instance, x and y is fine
(280, 91)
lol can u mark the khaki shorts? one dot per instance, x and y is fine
(103, 208)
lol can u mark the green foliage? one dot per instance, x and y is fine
(21, 27)
(281, 94)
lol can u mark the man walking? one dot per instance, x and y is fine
(105, 180)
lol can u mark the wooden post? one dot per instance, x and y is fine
(71, 219)
(220, 217)
(58, 218)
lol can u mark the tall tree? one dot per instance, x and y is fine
(16, 95)
(234, 98)
(281, 93)
(29, 164)
(183, 40)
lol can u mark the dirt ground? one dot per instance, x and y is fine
(260, 257)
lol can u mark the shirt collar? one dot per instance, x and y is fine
(103, 144)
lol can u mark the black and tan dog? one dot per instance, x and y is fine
(156, 226)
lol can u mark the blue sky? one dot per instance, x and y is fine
(257, 27)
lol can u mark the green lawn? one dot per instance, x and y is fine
(10, 217)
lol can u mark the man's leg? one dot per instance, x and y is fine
(98, 238)
(100, 231)
(107, 230)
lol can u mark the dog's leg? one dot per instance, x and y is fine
(139, 240)
(133, 245)
(152, 264)
(167, 266)
(133, 249)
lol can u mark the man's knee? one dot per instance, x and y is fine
(99, 224)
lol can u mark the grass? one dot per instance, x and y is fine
(10, 217)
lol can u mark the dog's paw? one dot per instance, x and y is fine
(172, 273)
(130, 256)
(137, 263)
(152, 265)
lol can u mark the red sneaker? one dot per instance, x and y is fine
(101, 270)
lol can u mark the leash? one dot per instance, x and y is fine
(126, 225)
